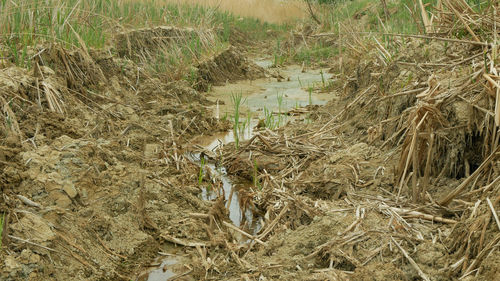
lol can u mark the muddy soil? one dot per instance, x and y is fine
(111, 173)
(93, 166)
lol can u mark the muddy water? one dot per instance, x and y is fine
(293, 88)
(259, 94)
(229, 189)
(163, 272)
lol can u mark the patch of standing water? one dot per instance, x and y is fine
(264, 63)
(294, 89)
(169, 268)
(230, 190)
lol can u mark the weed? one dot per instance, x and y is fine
(256, 181)
(269, 121)
(315, 53)
(192, 77)
(202, 167)
(246, 123)
(279, 98)
(279, 57)
(237, 100)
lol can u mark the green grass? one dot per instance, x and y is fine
(247, 122)
(28, 23)
(201, 173)
(269, 121)
(310, 92)
(256, 182)
(237, 99)
(273, 121)
(399, 21)
(318, 52)
(278, 55)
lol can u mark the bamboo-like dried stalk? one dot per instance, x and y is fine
(425, 18)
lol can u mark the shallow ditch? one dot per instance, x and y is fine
(294, 86)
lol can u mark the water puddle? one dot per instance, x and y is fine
(170, 267)
(240, 217)
(293, 90)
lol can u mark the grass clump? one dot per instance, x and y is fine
(318, 52)
(237, 99)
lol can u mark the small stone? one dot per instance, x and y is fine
(70, 190)
(63, 201)
(60, 198)
(85, 194)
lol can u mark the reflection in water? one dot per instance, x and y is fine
(263, 94)
(231, 196)
(163, 272)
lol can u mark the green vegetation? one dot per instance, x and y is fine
(237, 100)
(256, 181)
(310, 91)
(246, 124)
(273, 121)
(279, 56)
(399, 19)
(202, 167)
(316, 53)
(25, 24)
(269, 118)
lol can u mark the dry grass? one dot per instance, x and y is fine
(272, 11)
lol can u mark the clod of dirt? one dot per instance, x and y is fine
(35, 228)
(229, 65)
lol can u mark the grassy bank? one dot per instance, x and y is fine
(362, 20)
(92, 23)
